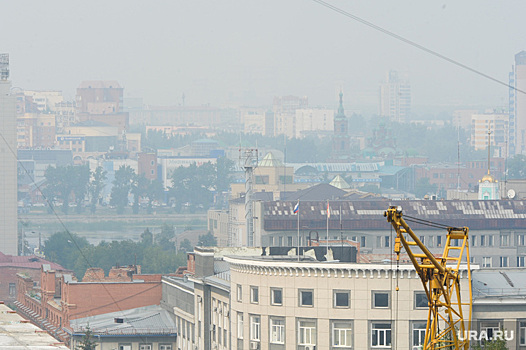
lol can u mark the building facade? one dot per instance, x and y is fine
(395, 98)
(243, 300)
(8, 164)
(517, 105)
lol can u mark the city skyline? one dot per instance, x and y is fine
(236, 53)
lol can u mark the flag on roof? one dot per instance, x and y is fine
(297, 208)
(328, 210)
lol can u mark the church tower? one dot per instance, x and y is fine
(340, 139)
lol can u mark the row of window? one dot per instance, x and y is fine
(145, 347)
(475, 241)
(342, 332)
(341, 298)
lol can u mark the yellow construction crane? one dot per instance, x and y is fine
(449, 312)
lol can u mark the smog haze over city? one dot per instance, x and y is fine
(246, 52)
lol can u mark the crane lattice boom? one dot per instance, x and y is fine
(448, 314)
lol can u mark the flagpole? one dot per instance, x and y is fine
(328, 214)
(298, 252)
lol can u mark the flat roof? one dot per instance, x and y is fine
(16, 333)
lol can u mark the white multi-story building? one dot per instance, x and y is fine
(517, 105)
(497, 124)
(395, 98)
(239, 299)
(304, 122)
(8, 165)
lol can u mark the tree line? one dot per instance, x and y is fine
(155, 254)
(193, 188)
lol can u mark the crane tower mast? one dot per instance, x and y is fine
(449, 315)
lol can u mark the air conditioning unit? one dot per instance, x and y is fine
(254, 345)
(310, 347)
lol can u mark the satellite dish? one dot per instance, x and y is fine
(511, 193)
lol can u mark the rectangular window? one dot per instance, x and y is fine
(520, 261)
(255, 328)
(254, 295)
(125, 347)
(306, 332)
(521, 240)
(362, 241)
(165, 346)
(277, 330)
(491, 241)
(239, 292)
(522, 333)
(381, 335)
(439, 241)
(306, 297)
(380, 300)
(145, 346)
(341, 298)
(420, 300)
(486, 261)
(419, 335)
(490, 328)
(386, 241)
(239, 325)
(12, 289)
(276, 295)
(504, 261)
(289, 241)
(474, 240)
(342, 334)
(482, 240)
(505, 240)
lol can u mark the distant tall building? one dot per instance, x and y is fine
(395, 98)
(497, 124)
(340, 140)
(8, 166)
(517, 105)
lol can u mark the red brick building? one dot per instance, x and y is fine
(29, 266)
(61, 298)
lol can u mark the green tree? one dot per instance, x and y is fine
(122, 185)
(164, 237)
(207, 240)
(517, 167)
(139, 189)
(81, 175)
(63, 248)
(193, 186)
(147, 238)
(423, 187)
(155, 192)
(60, 182)
(224, 169)
(494, 344)
(96, 186)
(88, 341)
(186, 246)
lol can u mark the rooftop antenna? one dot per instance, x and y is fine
(489, 148)
(249, 159)
(458, 159)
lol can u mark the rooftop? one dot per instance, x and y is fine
(148, 320)
(16, 333)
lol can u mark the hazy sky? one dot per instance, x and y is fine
(245, 52)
